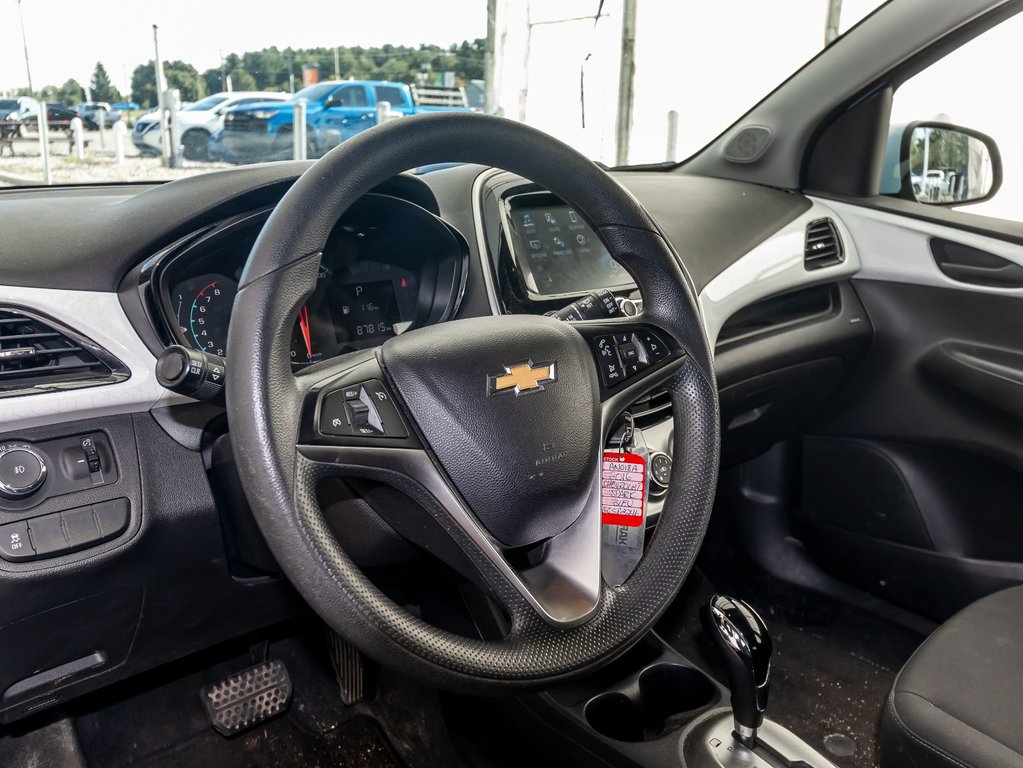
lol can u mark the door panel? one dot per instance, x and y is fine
(913, 482)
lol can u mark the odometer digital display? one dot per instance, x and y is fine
(365, 311)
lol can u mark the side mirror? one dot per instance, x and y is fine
(945, 164)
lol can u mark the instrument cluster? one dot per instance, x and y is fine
(387, 267)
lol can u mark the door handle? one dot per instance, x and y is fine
(966, 264)
(991, 375)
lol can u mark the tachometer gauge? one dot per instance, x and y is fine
(313, 339)
(308, 344)
(203, 307)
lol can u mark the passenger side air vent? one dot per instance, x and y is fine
(38, 355)
(823, 248)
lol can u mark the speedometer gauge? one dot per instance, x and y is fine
(203, 308)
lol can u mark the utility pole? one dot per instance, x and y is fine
(488, 58)
(831, 25)
(165, 145)
(626, 76)
(223, 71)
(24, 44)
(337, 63)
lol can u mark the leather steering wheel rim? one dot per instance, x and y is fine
(266, 408)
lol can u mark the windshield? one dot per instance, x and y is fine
(557, 65)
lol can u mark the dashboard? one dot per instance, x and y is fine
(160, 265)
(388, 266)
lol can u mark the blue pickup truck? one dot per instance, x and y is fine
(335, 110)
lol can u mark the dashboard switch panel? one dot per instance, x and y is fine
(22, 470)
(30, 473)
(15, 544)
(48, 537)
(59, 533)
(111, 518)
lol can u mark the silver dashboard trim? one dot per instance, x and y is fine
(772, 267)
(896, 248)
(98, 316)
(482, 249)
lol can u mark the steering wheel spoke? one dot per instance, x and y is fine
(355, 424)
(562, 586)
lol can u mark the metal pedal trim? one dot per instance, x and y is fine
(248, 698)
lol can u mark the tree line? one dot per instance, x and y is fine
(271, 69)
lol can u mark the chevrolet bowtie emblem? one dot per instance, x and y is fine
(522, 379)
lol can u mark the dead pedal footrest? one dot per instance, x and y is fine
(248, 698)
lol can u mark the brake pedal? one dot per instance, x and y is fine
(248, 698)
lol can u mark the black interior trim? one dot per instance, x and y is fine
(973, 266)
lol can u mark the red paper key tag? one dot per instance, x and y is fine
(623, 489)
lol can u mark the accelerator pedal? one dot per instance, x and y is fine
(248, 698)
(349, 669)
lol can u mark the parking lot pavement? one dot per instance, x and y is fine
(98, 166)
(27, 145)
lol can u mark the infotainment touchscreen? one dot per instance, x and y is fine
(558, 254)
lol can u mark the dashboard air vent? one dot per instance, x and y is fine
(823, 247)
(38, 355)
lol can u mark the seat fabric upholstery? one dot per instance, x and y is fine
(958, 702)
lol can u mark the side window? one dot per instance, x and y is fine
(351, 96)
(966, 88)
(391, 94)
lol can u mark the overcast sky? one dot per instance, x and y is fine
(67, 37)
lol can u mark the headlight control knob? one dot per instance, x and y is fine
(22, 470)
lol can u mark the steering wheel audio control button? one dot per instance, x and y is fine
(656, 349)
(611, 369)
(22, 471)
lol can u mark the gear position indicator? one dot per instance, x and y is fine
(622, 513)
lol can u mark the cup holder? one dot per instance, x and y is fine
(664, 697)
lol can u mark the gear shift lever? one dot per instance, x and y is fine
(742, 637)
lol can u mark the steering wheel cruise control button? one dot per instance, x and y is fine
(15, 544)
(361, 410)
(22, 471)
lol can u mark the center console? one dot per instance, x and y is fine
(654, 708)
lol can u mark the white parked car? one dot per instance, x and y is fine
(198, 121)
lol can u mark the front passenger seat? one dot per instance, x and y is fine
(958, 702)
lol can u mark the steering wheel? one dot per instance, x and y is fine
(493, 426)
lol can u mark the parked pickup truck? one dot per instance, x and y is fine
(335, 111)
